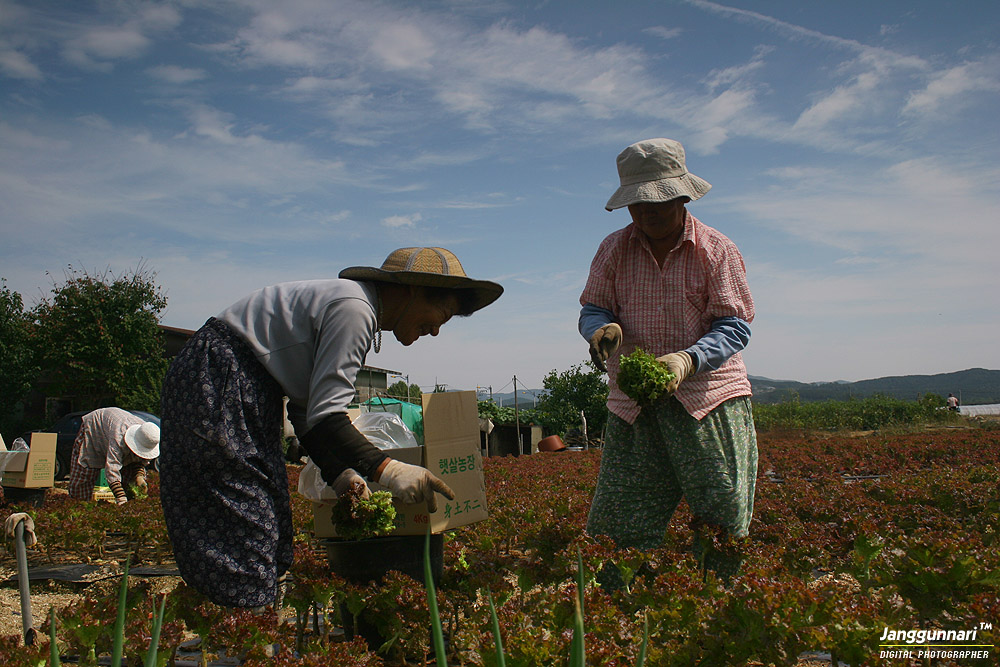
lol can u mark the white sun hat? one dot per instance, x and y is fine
(654, 171)
(144, 440)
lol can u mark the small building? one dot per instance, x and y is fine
(507, 440)
(371, 382)
(174, 339)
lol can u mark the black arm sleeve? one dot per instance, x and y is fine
(335, 445)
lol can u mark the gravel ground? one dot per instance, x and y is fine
(46, 594)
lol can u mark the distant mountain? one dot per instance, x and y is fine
(526, 398)
(973, 387)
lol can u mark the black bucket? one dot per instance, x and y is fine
(364, 561)
(14, 495)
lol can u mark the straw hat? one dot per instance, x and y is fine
(427, 267)
(654, 171)
(144, 440)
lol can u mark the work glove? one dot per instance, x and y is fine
(604, 343)
(680, 364)
(349, 479)
(140, 480)
(10, 525)
(413, 484)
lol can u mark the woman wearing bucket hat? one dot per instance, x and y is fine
(223, 483)
(676, 288)
(120, 443)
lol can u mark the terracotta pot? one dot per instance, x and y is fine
(552, 443)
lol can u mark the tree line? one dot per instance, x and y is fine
(94, 339)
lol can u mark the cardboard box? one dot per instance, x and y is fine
(33, 469)
(451, 451)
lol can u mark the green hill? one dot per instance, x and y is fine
(974, 386)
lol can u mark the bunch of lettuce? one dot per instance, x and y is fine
(358, 518)
(642, 377)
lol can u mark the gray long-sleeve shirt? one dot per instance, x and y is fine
(312, 338)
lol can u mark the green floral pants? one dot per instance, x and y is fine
(648, 466)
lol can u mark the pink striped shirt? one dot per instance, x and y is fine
(663, 310)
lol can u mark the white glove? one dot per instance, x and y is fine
(604, 343)
(413, 484)
(347, 480)
(680, 364)
(10, 525)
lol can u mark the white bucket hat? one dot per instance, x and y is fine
(653, 171)
(144, 440)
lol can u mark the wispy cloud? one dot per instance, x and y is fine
(663, 32)
(98, 46)
(17, 65)
(793, 31)
(403, 46)
(176, 75)
(955, 87)
(395, 221)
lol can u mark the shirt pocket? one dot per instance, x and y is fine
(684, 306)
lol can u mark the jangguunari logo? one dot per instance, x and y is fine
(924, 636)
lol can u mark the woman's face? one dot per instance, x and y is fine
(422, 317)
(660, 221)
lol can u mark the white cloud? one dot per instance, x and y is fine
(158, 17)
(97, 45)
(174, 74)
(403, 46)
(953, 87)
(874, 54)
(17, 65)
(662, 32)
(395, 221)
(490, 77)
(836, 105)
(738, 73)
(711, 119)
(123, 36)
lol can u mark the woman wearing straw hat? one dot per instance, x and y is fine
(223, 483)
(676, 288)
(120, 443)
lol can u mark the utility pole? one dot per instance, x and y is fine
(517, 420)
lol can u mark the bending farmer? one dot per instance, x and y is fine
(119, 442)
(223, 483)
(676, 288)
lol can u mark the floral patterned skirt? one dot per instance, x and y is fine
(648, 466)
(223, 484)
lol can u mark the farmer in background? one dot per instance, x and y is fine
(223, 483)
(676, 288)
(952, 403)
(119, 442)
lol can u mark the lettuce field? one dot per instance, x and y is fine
(852, 537)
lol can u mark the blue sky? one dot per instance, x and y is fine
(226, 145)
